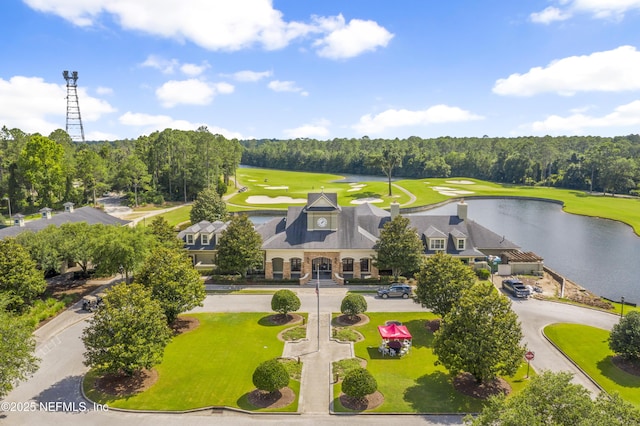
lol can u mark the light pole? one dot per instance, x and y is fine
(621, 306)
(318, 302)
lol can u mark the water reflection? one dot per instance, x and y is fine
(599, 254)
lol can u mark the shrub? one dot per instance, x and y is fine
(358, 383)
(270, 376)
(483, 274)
(285, 301)
(625, 336)
(353, 304)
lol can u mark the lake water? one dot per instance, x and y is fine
(601, 255)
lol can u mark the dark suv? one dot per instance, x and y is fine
(516, 288)
(395, 290)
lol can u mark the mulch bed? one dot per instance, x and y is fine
(184, 324)
(356, 320)
(368, 403)
(277, 399)
(433, 325)
(627, 365)
(466, 384)
(279, 319)
(120, 385)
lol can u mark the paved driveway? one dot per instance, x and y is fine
(61, 369)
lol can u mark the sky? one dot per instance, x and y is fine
(327, 69)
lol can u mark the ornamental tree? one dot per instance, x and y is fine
(208, 206)
(353, 305)
(441, 280)
(239, 247)
(128, 333)
(20, 281)
(625, 336)
(285, 301)
(399, 247)
(270, 376)
(480, 335)
(173, 281)
(358, 383)
(16, 349)
(557, 402)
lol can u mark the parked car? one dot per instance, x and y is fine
(395, 290)
(516, 288)
(92, 302)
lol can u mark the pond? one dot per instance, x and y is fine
(598, 254)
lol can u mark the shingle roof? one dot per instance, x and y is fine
(84, 214)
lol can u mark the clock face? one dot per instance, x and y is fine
(322, 222)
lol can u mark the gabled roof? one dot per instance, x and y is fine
(322, 202)
(84, 214)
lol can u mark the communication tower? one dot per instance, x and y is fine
(74, 120)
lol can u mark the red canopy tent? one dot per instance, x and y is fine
(393, 331)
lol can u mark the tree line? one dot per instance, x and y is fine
(172, 165)
(575, 162)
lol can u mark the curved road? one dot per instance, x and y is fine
(57, 382)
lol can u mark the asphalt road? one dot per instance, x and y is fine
(57, 382)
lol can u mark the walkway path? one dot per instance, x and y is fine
(412, 198)
(317, 353)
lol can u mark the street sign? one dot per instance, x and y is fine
(529, 356)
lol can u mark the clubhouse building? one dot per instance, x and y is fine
(338, 242)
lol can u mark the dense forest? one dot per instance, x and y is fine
(576, 162)
(174, 165)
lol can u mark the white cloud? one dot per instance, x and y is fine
(148, 123)
(249, 76)
(165, 66)
(190, 92)
(390, 118)
(35, 106)
(599, 9)
(286, 86)
(100, 136)
(548, 15)
(193, 70)
(614, 70)
(222, 25)
(314, 130)
(347, 41)
(577, 123)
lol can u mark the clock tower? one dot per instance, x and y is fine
(322, 211)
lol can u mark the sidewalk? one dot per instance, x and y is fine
(315, 391)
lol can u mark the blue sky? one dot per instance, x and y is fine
(324, 69)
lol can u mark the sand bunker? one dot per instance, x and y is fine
(461, 182)
(276, 187)
(367, 200)
(263, 199)
(450, 192)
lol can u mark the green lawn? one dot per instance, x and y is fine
(588, 347)
(413, 384)
(209, 366)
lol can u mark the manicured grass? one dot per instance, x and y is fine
(588, 347)
(295, 333)
(209, 366)
(413, 384)
(177, 216)
(297, 185)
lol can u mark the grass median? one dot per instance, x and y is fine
(209, 366)
(588, 347)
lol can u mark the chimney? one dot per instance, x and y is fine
(68, 207)
(462, 210)
(18, 219)
(46, 212)
(395, 210)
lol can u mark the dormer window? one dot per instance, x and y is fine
(190, 239)
(205, 239)
(436, 244)
(461, 244)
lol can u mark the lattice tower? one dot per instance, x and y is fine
(74, 119)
